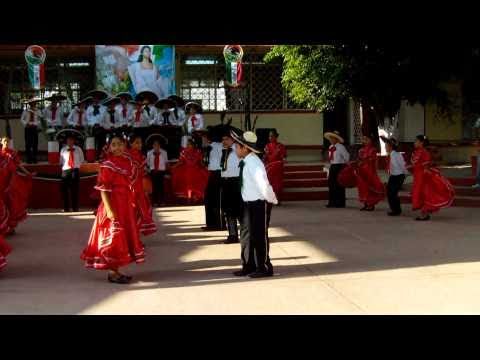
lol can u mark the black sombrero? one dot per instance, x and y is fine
(151, 138)
(86, 100)
(32, 100)
(160, 103)
(99, 94)
(56, 97)
(64, 134)
(392, 141)
(197, 106)
(178, 100)
(125, 95)
(246, 138)
(111, 100)
(147, 95)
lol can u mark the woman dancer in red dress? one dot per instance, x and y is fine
(189, 175)
(370, 188)
(144, 208)
(431, 190)
(115, 238)
(275, 154)
(19, 189)
(7, 168)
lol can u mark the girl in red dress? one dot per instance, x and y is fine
(115, 238)
(370, 188)
(275, 154)
(7, 168)
(189, 175)
(19, 189)
(144, 208)
(431, 191)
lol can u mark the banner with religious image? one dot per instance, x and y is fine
(136, 68)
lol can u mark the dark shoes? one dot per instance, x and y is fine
(119, 279)
(392, 213)
(423, 218)
(335, 206)
(231, 240)
(260, 274)
(368, 208)
(242, 272)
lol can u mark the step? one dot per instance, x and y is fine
(305, 175)
(470, 202)
(468, 181)
(294, 168)
(306, 183)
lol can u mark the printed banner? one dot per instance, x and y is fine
(136, 68)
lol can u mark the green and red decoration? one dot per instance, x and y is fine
(35, 56)
(233, 55)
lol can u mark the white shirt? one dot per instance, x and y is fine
(106, 122)
(232, 164)
(95, 119)
(162, 163)
(181, 117)
(215, 156)
(143, 120)
(198, 123)
(153, 113)
(74, 116)
(25, 119)
(159, 120)
(255, 184)
(397, 164)
(51, 122)
(341, 155)
(124, 120)
(65, 156)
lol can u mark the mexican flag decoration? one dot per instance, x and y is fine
(233, 60)
(35, 57)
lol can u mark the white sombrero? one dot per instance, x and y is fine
(334, 134)
(247, 139)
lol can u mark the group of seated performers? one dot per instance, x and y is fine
(98, 114)
(431, 191)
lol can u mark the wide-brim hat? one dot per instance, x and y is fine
(160, 103)
(334, 134)
(56, 97)
(193, 104)
(114, 100)
(124, 95)
(178, 100)
(64, 134)
(86, 101)
(99, 94)
(392, 141)
(147, 95)
(156, 136)
(246, 138)
(33, 100)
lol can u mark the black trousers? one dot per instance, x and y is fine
(213, 212)
(336, 193)
(158, 192)
(255, 245)
(231, 203)
(70, 187)
(100, 135)
(394, 185)
(31, 143)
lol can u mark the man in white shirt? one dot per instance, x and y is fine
(53, 114)
(71, 157)
(124, 109)
(338, 157)
(157, 163)
(30, 119)
(165, 115)
(397, 170)
(212, 158)
(95, 116)
(78, 117)
(231, 198)
(256, 194)
(195, 119)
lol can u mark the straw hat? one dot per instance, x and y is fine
(334, 134)
(247, 139)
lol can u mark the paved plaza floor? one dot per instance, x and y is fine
(327, 261)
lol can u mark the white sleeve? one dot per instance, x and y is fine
(80, 155)
(23, 118)
(62, 162)
(264, 186)
(70, 118)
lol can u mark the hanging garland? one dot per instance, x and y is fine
(233, 55)
(35, 57)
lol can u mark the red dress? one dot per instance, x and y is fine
(18, 193)
(275, 153)
(144, 208)
(370, 188)
(431, 191)
(7, 168)
(190, 177)
(113, 244)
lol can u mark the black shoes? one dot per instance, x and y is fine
(335, 206)
(231, 240)
(260, 274)
(119, 279)
(392, 213)
(423, 218)
(242, 272)
(368, 208)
